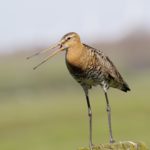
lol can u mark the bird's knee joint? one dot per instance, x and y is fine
(108, 109)
(90, 113)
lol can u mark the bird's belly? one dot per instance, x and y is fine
(85, 77)
(84, 80)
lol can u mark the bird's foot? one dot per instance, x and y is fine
(91, 146)
(112, 141)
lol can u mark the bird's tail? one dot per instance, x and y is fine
(125, 87)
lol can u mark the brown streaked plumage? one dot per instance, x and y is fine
(89, 67)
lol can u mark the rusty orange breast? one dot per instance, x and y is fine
(77, 56)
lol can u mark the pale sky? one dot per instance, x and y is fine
(24, 22)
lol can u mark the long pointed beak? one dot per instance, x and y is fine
(44, 51)
(53, 54)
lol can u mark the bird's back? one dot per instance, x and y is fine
(93, 68)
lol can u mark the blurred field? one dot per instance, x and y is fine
(46, 109)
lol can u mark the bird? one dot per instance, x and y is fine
(89, 67)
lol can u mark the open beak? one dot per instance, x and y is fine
(58, 48)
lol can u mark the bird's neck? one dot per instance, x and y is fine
(74, 54)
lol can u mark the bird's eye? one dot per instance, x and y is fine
(68, 38)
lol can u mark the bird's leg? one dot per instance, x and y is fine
(90, 119)
(109, 118)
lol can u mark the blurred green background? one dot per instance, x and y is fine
(46, 109)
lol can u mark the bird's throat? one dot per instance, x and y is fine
(75, 55)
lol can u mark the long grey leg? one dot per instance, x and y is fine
(90, 118)
(109, 118)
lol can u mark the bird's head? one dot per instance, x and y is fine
(67, 41)
(70, 40)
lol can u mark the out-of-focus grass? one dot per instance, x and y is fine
(46, 109)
